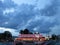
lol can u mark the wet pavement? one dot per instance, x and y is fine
(6, 43)
(44, 43)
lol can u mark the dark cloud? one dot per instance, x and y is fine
(5, 5)
(44, 25)
(28, 16)
(50, 10)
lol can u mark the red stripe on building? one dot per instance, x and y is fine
(30, 35)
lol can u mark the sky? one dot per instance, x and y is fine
(36, 15)
(39, 3)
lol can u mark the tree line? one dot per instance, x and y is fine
(6, 36)
(25, 31)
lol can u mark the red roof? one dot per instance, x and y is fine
(30, 35)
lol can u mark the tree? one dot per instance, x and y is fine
(53, 36)
(21, 32)
(25, 31)
(1, 36)
(7, 35)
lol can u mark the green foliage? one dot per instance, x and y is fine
(54, 37)
(6, 36)
(25, 31)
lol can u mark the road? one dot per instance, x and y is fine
(46, 43)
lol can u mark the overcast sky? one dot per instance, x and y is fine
(36, 15)
(40, 3)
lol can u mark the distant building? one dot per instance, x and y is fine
(30, 37)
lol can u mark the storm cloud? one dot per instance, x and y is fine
(28, 16)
